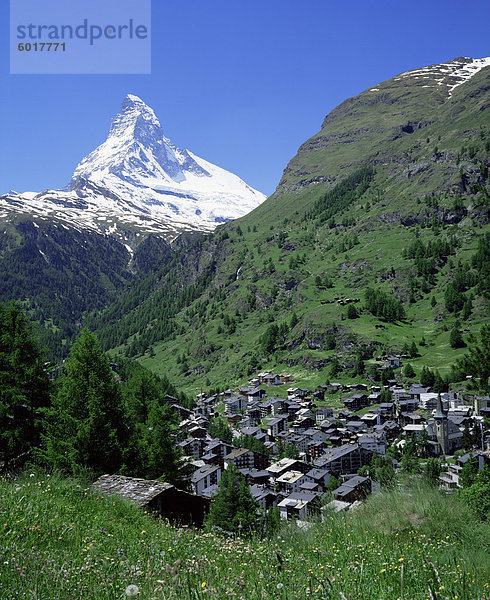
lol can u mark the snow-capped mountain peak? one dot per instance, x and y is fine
(136, 150)
(138, 180)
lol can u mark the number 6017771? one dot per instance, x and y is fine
(42, 47)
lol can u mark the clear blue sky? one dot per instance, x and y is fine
(241, 83)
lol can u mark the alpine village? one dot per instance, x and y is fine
(287, 402)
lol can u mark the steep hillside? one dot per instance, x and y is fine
(391, 194)
(61, 272)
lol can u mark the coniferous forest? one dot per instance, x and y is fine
(82, 416)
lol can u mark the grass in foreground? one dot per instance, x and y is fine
(61, 541)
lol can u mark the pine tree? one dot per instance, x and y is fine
(427, 377)
(383, 470)
(269, 338)
(24, 386)
(476, 435)
(469, 472)
(332, 484)
(385, 396)
(335, 367)
(291, 451)
(161, 459)
(273, 520)
(456, 338)
(433, 470)
(359, 366)
(467, 308)
(352, 312)
(477, 495)
(149, 451)
(409, 371)
(439, 385)
(386, 375)
(466, 441)
(85, 425)
(218, 429)
(233, 508)
(409, 462)
(423, 445)
(475, 362)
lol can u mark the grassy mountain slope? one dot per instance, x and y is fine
(388, 167)
(60, 540)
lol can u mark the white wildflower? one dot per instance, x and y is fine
(132, 590)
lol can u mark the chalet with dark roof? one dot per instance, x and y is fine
(157, 496)
(353, 489)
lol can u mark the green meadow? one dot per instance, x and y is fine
(59, 540)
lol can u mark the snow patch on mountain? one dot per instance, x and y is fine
(451, 74)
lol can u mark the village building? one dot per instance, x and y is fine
(373, 442)
(323, 413)
(264, 496)
(371, 418)
(355, 488)
(346, 459)
(291, 481)
(356, 402)
(157, 497)
(235, 404)
(320, 477)
(192, 447)
(276, 469)
(444, 436)
(256, 476)
(275, 426)
(243, 458)
(392, 362)
(215, 451)
(205, 477)
(302, 506)
(316, 449)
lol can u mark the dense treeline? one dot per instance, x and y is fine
(89, 419)
(480, 261)
(469, 278)
(342, 195)
(429, 258)
(149, 309)
(24, 387)
(384, 306)
(60, 274)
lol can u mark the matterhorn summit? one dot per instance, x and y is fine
(139, 181)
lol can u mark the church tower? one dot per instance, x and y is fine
(441, 426)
